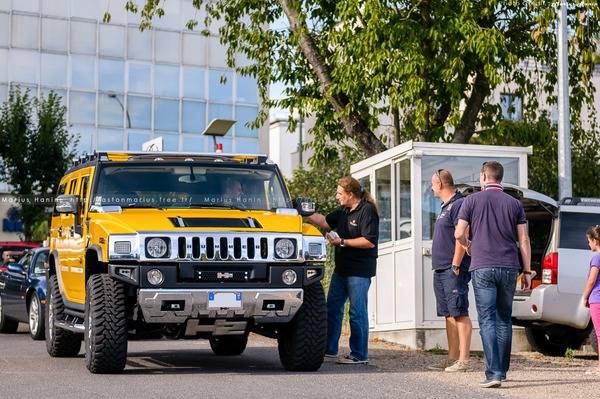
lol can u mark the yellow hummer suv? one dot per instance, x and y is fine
(182, 246)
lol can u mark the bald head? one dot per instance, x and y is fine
(442, 184)
(444, 177)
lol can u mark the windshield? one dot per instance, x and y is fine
(190, 186)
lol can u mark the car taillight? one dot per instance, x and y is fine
(550, 269)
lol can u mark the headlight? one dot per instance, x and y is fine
(289, 277)
(156, 247)
(284, 248)
(155, 277)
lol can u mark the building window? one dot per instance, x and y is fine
(25, 31)
(54, 70)
(170, 141)
(83, 37)
(135, 140)
(24, 66)
(110, 139)
(140, 78)
(110, 76)
(83, 72)
(110, 109)
(56, 7)
(139, 110)
(166, 46)
(139, 44)
(194, 116)
(219, 111)
(112, 41)
(82, 108)
(247, 89)
(220, 86)
(26, 5)
(245, 115)
(194, 49)
(166, 114)
(4, 30)
(246, 146)
(512, 106)
(383, 194)
(193, 82)
(166, 80)
(85, 134)
(193, 143)
(217, 53)
(3, 65)
(85, 9)
(55, 34)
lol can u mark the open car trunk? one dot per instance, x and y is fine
(540, 211)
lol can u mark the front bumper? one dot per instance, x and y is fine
(263, 306)
(546, 304)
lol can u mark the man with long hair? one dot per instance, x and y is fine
(355, 232)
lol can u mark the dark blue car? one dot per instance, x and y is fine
(23, 293)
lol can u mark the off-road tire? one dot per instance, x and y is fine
(302, 342)
(229, 345)
(554, 339)
(59, 342)
(7, 325)
(105, 325)
(34, 309)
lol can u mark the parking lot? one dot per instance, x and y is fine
(185, 369)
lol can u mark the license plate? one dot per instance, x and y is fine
(219, 300)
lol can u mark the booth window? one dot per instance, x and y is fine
(465, 170)
(403, 201)
(383, 194)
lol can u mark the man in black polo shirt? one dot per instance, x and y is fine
(496, 221)
(451, 275)
(355, 236)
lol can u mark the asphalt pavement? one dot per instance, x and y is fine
(188, 369)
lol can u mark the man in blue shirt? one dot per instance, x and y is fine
(496, 221)
(451, 275)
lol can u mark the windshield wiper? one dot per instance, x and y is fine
(215, 205)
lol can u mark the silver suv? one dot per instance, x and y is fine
(553, 313)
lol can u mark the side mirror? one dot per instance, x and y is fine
(67, 204)
(305, 206)
(15, 268)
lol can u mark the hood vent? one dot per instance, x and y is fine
(246, 223)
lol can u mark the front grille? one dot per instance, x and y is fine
(223, 248)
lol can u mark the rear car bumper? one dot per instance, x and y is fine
(545, 304)
(261, 305)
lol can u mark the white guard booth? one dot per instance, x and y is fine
(401, 300)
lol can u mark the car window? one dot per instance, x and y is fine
(26, 261)
(573, 227)
(41, 263)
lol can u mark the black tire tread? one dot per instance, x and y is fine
(554, 340)
(302, 343)
(106, 351)
(64, 343)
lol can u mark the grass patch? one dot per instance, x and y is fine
(570, 354)
(437, 350)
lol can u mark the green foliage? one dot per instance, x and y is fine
(432, 63)
(34, 150)
(542, 165)
(570, 354)
(320, 182)
(437, 350)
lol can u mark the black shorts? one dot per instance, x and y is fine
(451, 292)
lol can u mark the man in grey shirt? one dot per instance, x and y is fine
(496, 221)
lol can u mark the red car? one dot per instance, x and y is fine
(12, 251)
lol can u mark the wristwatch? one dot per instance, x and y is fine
(526, 272)
(342, 243)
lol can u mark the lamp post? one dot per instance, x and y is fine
(565, 185)
(114, 95)
(218, 128)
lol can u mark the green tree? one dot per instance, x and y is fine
(428, 65)
(542, 165)
(34, 151)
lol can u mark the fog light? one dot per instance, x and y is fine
(289, 277)
(155, 277)
(122, 247)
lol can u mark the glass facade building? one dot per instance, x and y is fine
(121, 86)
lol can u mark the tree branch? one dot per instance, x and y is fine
(353, 123)
(466, 128)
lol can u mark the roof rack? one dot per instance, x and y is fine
(178, 156)
(84, 159)
(580, 201)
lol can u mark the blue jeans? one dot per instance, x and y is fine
(357, 290)
(494, 289)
